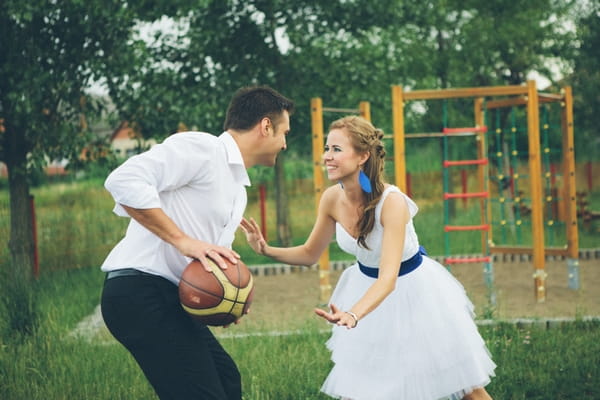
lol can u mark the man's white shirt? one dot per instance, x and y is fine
(198, 180)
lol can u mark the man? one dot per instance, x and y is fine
(186, 198)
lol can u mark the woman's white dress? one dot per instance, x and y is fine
(421, 342)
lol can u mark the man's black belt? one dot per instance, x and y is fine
(126, 272)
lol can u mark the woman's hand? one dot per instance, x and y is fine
(254, 235)
(336, 316)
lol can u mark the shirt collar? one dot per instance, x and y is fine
(234, 158)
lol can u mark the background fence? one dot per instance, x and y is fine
(76, 227)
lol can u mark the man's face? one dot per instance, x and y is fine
(276, 141)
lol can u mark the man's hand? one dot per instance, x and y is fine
(202, 251)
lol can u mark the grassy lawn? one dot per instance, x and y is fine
(533, 363)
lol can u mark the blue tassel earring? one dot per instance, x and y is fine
(364, 181)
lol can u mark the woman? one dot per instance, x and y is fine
(404, 326)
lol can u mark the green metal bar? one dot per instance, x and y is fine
(500, 175)
(515, 163)
(547, 176)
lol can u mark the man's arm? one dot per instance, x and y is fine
(159, 223)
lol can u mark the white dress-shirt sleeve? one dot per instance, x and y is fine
(174, 163)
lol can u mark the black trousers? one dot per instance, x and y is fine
(180, 358)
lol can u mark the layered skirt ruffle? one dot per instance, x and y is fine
(420, 343)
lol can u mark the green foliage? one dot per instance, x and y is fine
(96, 169)
(51, 52)
(344, 52)
(294, 168)
(504, 41)
(585, 79)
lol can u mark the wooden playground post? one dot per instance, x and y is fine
(535, 172)
(399, 146)
(364, 109)
(569, 192)
(482, 170)
(316, 106)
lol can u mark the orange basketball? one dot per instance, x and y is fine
(219, 297)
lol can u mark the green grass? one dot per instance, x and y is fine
(533, 363)
(75, 225)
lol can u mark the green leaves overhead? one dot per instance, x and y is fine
(200, 51)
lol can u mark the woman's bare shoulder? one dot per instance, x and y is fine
(332, 192)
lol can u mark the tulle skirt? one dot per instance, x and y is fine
(420, 343)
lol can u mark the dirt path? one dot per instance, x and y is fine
(286, 301)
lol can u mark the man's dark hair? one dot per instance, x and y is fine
(251, 104)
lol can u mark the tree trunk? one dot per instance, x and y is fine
(20, 244)
(284, 234)
(17, 283)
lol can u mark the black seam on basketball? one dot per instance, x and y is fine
(239, 283)
(234, 300)
(204, 290)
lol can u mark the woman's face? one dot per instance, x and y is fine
(340, 158)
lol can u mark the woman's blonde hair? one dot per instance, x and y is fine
(365, 138)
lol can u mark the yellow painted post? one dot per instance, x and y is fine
(482, 170)
(569, 193)
(316, 107)
(364, 108)
(399, 146)
(535, 173)
(484, 203)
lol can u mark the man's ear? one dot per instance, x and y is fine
(266, 126)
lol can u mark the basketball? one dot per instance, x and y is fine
(219, 297)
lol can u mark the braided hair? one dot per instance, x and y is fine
(366, 138)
